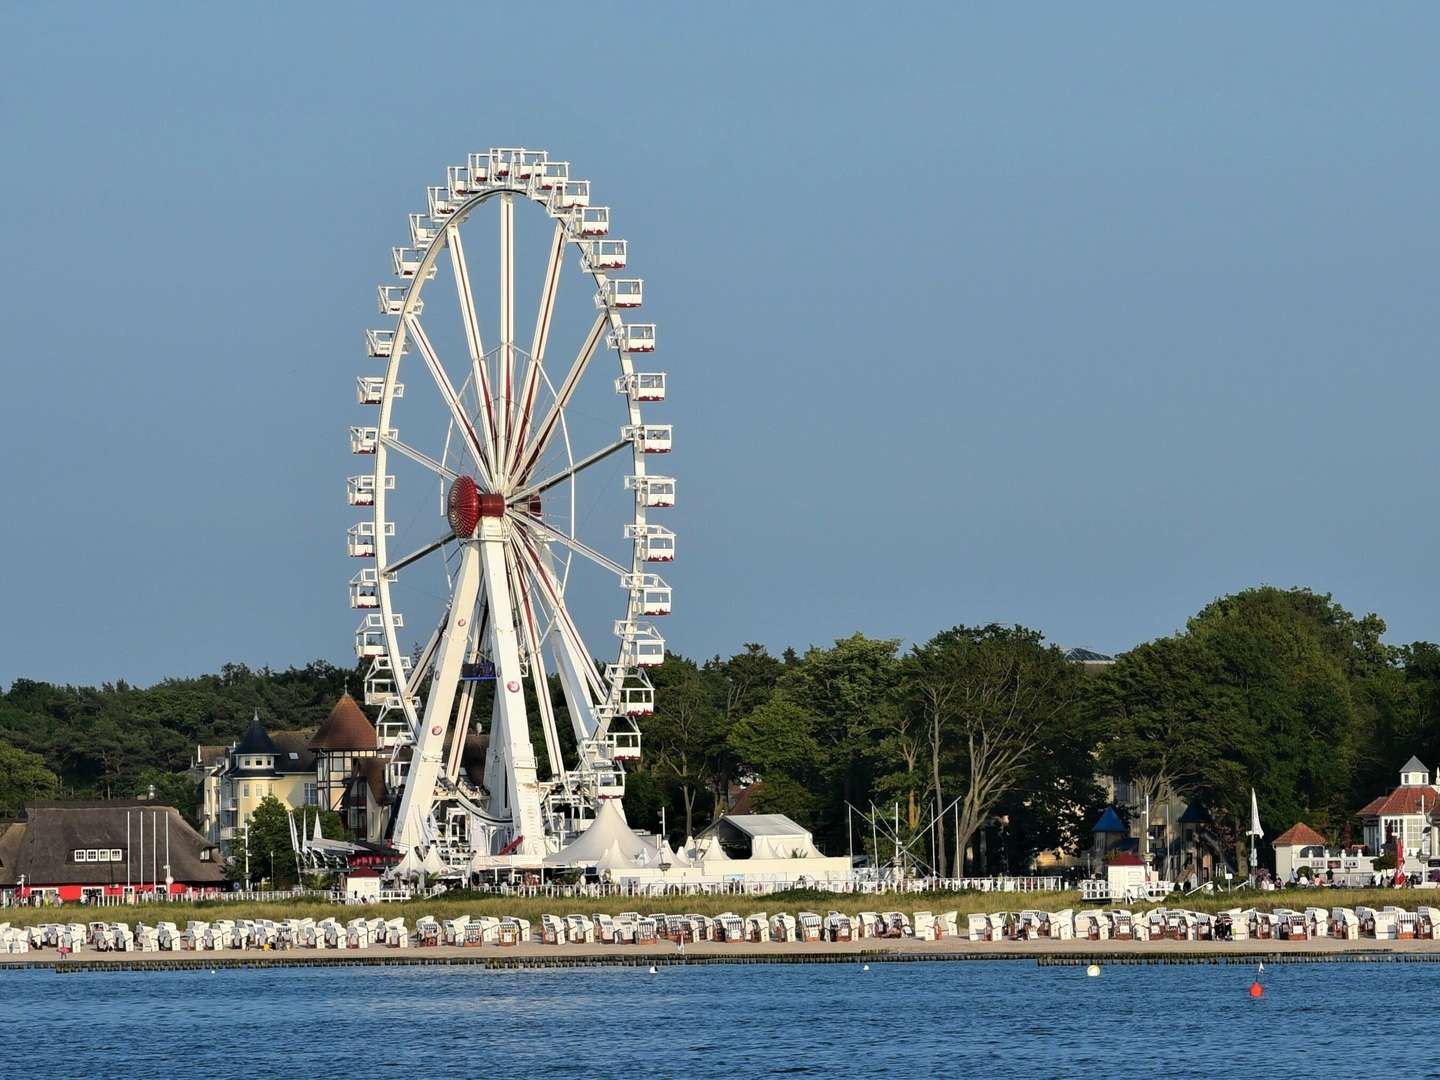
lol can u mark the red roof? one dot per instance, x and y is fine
(346, 728)
(1403, 800)
(1125, 858)
(1298, 835)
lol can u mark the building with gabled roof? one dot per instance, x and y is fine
(1404, 815)
(89, 850)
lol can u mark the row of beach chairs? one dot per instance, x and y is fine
(633, 928)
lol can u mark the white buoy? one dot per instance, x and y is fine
(652, 970)
(865, 967)
(1093, 971)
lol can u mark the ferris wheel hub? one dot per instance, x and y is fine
(467, 504)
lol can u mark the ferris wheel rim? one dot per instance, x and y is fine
(513, 469)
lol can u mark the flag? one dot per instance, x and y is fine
(1255, 829)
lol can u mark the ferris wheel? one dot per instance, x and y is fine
(508, 473)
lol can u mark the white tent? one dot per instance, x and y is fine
(710, 851)
(608, 829)
(612, 859)
(674, 858)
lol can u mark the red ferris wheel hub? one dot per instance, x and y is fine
(467, 504)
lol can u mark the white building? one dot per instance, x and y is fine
(1404, 813)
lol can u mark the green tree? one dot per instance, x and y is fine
(684, 734)
(23, 778)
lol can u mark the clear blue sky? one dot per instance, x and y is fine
(1071, 316)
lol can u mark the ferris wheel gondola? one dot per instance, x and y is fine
(501, 449)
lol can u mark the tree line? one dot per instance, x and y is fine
(988, 732)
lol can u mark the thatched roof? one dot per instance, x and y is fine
(42, 846)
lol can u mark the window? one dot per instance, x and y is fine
(312, 795)
(205, 854)
(244, 791)
(116, 855)
(80, 855)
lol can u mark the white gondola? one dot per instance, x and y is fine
(370, 635)
(625, 745)
(366, 440)
(640, 643)
(809, 927)
(838, 927)
(439, 203)
(657, 543)
(460, 183)
(479, 167)
(502, 162)
(571, 195)
(370, 389)
(364, 588)
(621, 293)
(606, 254)
(651, 438)
(392, 300)
(406, 261)
(552, 930)
(642, 386)
(528, 164)
(654, 594)
(551, 175)
(379, 343)
(591, 221)
(655, 491)
(360, 538)
(633, 338)
(422, 232)
(637, 699)
(396, 935)
(360, 490)
(1092, 926)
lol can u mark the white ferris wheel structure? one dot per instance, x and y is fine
(488, 503)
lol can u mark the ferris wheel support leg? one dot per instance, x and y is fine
(428, 756)
(510, 771)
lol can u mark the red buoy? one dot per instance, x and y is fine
(1256, 990)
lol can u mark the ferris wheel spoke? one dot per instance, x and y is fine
(452, 399)
(419, 457)
(574, 545)
(418, 554)
(565, 474)
(507, 325)
(531, 382)
(546, 430)
(530, 633)
(579, 660)
(479, 373)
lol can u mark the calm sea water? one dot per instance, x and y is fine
(990, 1019)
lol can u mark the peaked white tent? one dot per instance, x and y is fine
(609, 829)
(710, 851)
(612, 859)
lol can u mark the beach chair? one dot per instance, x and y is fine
(809, 927)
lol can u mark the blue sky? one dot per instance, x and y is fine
(1070, 316)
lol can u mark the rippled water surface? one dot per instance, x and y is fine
(986, 1019)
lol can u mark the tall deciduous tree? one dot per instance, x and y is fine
(23, 778)
(993, 693)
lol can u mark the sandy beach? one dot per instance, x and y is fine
(1319, 950)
